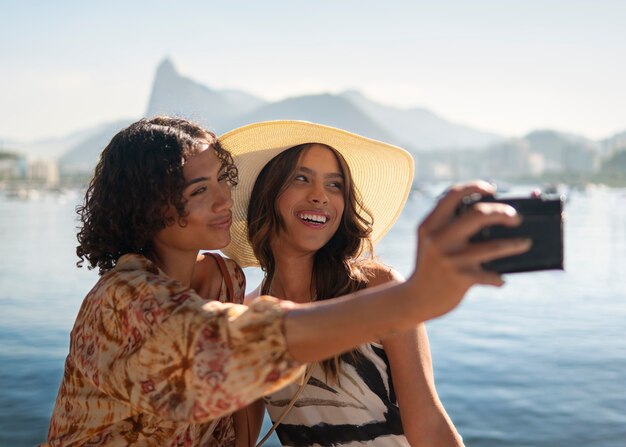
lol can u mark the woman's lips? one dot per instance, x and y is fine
(222, 223)
(313, 219)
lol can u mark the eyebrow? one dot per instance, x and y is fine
(312, 172)
(196, 180)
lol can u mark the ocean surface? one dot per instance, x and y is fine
(539, 362)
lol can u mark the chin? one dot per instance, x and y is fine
(219, 244)
(314, 246)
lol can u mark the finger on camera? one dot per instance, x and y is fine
(487, 278)
(479, 252)
(490, 207)
(482, 215)
(449, 202)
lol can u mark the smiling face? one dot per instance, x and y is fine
(311, 205)
(208, 203)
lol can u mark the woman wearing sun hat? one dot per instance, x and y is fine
(311, 202)
(155, 359)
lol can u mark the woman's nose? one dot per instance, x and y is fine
(318, 195)
(222, 199)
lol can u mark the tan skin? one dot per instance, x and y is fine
(446, 267)
(317, 191)
(207, 282)
(208, 202)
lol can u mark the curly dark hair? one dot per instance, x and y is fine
(139, 174)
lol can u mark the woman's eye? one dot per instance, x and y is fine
(336, 185)
(300, 178)
(199, 190)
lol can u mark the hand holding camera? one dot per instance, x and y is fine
(448, 264)
(542, 222)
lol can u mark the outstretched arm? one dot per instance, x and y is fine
(229, 355)
(447, 266)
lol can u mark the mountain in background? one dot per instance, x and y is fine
(425, 134)
(328, 109)
(554, 142)
(560, 151)
(83, 155)
(563, 151)
(173, 94)
(614, 143)
(419, 129)
(223, 110)
(52, 148)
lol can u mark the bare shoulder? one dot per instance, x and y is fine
(379, 273)
(206, 267)
(208, 277)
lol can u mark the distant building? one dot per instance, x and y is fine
(10, 166)
(43, 171)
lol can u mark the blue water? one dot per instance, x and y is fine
(540, 362)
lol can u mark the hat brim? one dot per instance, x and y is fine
(381, 172)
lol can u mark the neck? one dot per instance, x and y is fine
(292, 278)
(177, 265)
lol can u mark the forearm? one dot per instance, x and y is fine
(433, 429)
(323, 329)
(248, 422)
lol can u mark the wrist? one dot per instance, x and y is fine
(408, 305)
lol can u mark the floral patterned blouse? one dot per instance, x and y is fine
(151, 363)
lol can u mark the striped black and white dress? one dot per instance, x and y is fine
(360, 409)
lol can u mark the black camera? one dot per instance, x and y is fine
(542, 221)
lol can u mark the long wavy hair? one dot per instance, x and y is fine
(339, 267)
(139, 174)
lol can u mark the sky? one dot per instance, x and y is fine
(503, 66)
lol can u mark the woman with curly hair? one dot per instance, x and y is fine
(162, 352)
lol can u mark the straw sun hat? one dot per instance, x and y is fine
(382, 173)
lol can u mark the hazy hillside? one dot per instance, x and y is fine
(563, 150)
(419, 128)
(615, 143)
(173, 94)
(52, 148)
(82, 156)
(222, 110)
(436, 142)
(326, 109)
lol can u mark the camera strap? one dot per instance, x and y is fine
(305, 380)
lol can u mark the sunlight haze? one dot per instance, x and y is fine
(499, 66)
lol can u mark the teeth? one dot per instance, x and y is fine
(313, 217)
